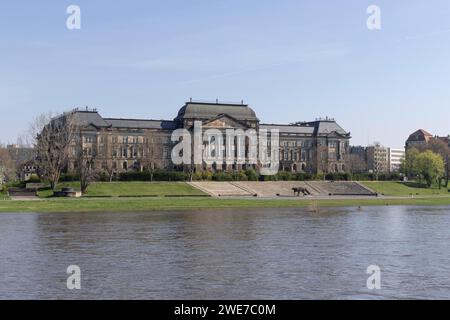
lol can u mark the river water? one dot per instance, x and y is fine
(228, 254)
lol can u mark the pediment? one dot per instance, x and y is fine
(224, 122)
(334, 134)
(90, 127)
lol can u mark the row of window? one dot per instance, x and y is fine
(126, 139)
(123, 152)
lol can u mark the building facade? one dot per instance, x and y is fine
(396, 156)
(377, 159)
(21, 162)
(120, 145)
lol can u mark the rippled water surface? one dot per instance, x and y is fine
(228, 254)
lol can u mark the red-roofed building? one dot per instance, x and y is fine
(418, 138)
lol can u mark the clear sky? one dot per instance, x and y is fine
(290, 60)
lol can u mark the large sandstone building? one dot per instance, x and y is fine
(133, 144)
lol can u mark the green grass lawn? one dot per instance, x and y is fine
(162, 204)
(131, 189)
(393, 188)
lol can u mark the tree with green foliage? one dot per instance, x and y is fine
(442, 148)
(430, 167)
(408, 166)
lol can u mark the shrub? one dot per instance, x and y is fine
(34, 178)
(69, 177)
(252, 175)
(271, 178)
(197, 176)
(284, 175)
(337, 176)
(135, 176)
(222, 176)
(239, 176)
(207, 175)
(302, 176)
(158, 175)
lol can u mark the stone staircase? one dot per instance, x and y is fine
(274, 188)
(271, 189)
(342, 188)
(221, 189)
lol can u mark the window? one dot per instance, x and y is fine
(125, 165)
(303, 155)
(134, 152)
(87, 151)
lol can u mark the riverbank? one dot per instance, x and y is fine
(186, 203)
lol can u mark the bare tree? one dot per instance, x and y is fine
(85, 162)
(322, 160)
(110, 152)
(52, 139)
(148, 153)
(7, 166)
(355, 164)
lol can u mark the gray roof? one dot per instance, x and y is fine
(141, 124)
(319, 127)
(288, 128)
(327, 127)
(210, 110)
(85, 118)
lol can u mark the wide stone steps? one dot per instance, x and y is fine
(221, 189)
(274, 188)
(342, 188)
(270, 189)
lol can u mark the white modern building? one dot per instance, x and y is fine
(396, 157)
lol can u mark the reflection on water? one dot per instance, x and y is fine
(228, 254)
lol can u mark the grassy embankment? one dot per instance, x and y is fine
(114, 197)
(151, 204)
(178, 196)
(392, 188)
(132, 189)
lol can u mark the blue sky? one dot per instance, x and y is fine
(290, 60)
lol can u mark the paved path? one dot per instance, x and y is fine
(18, 198)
